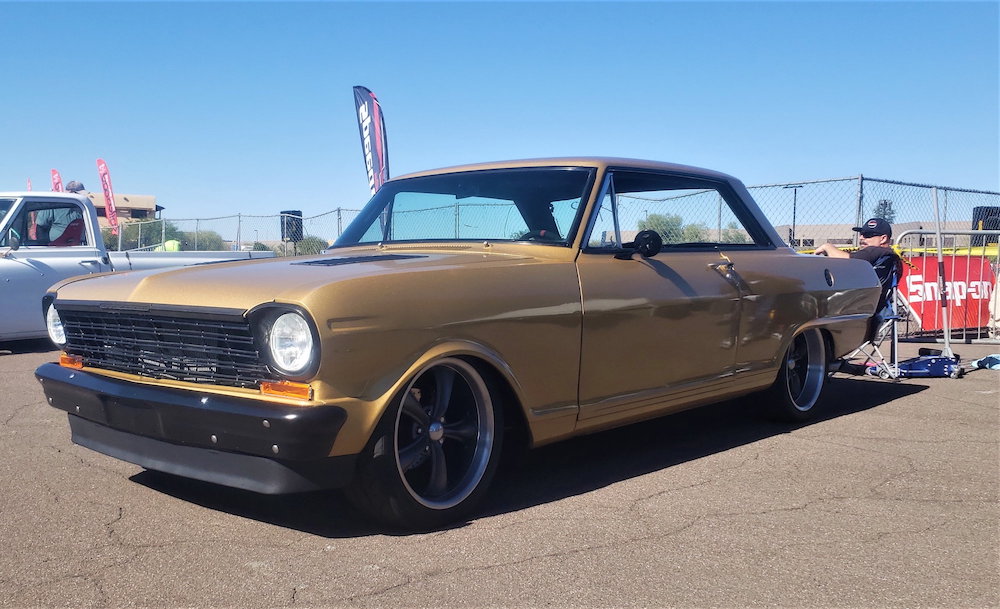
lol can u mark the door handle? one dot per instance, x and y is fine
(728, 271)
(91, 263)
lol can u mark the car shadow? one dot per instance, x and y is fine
(588, 463)
(553, 472)
(35, 345)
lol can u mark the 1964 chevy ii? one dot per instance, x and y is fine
(465, 307)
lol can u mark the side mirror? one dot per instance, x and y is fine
(13, 240)
(647, 244)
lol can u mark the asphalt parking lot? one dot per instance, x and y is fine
(891, 500)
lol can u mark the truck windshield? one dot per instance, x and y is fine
(5, 205)
(530, 204)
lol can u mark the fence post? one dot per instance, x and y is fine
(340, 221)
(138, 238)
(239, 226)
(718, 220)
(121, 231)
(859, 214)
(163, 233)
(197, 224)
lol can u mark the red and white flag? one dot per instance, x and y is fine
(29, 183)
(109, 195)
(56, 182)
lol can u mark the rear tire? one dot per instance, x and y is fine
(435, 450)
(801, 378)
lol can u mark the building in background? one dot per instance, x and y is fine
(129, 207)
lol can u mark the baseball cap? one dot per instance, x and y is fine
(875, 226)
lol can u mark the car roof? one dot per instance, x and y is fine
(596, 162)
(42, 194)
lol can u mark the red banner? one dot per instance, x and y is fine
(56, 181)
(109, 195)
(970, 283)
(29, 183)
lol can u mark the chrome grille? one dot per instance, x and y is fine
(191, 349)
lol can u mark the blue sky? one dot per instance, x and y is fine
(219, 108)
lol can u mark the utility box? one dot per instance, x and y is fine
(291, 225)
(985, 218)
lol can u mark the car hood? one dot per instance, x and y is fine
(243, 285)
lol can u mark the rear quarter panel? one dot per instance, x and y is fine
(790, 291)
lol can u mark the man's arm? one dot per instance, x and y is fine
(831, 250)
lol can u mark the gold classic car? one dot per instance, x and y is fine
(516, 303)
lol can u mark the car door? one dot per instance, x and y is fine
(27, 272)
(665, 329)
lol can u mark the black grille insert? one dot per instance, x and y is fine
(182, 348)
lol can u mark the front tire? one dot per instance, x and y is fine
(435, 450)
(801, 378)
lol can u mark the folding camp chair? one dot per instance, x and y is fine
(889, 269)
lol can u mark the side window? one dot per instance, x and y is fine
(686, 212)
(57, 225)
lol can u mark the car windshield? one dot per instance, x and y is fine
(5, 205)
(531, 204)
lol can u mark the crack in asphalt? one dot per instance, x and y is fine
(17, 411)
(410, 579)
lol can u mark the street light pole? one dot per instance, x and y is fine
(795, 204)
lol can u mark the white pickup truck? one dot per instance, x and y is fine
(46, 237)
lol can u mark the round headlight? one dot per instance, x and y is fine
(291, 343)
(55, 327)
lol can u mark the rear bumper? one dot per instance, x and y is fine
(239, 442)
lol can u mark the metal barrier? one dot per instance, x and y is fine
(970, 263)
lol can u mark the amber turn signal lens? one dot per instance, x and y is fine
(70, 361)
(286, 389)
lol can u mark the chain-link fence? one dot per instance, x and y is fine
(285, 233)
(806, 215)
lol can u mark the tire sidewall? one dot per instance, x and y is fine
(379, 485)
(783, 405)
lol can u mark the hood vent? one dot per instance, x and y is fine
(355, 259)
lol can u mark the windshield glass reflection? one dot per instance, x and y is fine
(533, 204)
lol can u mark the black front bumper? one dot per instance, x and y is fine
(239, 442)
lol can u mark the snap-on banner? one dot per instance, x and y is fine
(969, 284)
(374, 144)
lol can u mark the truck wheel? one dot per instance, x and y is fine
(435, 450)
(800, 381)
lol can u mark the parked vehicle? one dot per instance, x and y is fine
(464, 310)
(49, 236)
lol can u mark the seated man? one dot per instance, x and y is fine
(50, 223)
(875, 236)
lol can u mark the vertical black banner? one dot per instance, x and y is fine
(371, 126)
